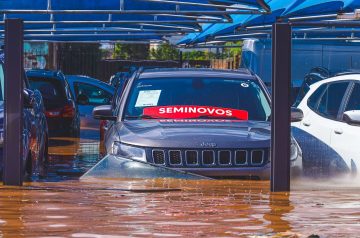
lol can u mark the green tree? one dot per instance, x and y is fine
(235, 50)
(131, 51)
(165, 52)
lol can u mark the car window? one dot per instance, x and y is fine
(2, 81)
(313, 100)
(95, 95)
(211, 92)
(331, 100)
(354, 100)
(50, 88)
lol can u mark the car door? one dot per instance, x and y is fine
(319, 121)
(89, 96)
(345, 138)
(314, 135)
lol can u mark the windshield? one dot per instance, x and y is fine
(209, 93)
(50, 89)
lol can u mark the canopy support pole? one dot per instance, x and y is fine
(280, 110)
(13, 149)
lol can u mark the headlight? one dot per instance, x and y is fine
(127, 151)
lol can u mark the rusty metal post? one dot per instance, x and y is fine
(280, 115)
(13, 168)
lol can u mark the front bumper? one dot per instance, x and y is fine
(262, 173)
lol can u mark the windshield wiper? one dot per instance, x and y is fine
(217, 118)
(141, 117)
(131, 117)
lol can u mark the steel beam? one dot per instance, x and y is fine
(280, 110)
(328, 23)
(183, 22)
(132, 12)
(235, 7)
(13, 149)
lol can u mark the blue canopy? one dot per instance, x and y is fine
(317, 7)
(283, 9)
(277, 8)
(110, 19)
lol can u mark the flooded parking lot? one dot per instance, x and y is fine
(64, 206)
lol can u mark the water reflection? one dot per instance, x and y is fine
(68, 207)
(280, 206)
(171, 207)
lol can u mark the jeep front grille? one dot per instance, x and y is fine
(257, 157)
(224, 157)
(158, 156)
(241, 157)
(191, 157)
(209, 158)
(175, 157)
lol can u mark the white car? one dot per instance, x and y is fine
(329, 133)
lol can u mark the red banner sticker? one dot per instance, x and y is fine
(184, 112)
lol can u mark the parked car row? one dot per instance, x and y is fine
(54, 105)
(148, 121)
(210, 122)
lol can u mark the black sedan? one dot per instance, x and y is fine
(61, 110)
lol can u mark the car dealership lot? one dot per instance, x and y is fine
(64, 206)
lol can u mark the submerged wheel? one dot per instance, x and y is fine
(28, 166)
(44, 158)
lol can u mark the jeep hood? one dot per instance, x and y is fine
(187, 133)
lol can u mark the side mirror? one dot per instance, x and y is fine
(296, 114)
(82, 99)
(104, 112)
(352, 117)
(27, 94)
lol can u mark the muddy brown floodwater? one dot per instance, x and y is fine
(68, 207)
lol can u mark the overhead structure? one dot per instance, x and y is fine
(121, 20)
(259, 26)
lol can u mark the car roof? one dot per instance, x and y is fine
(345, 77)
(87, 79)
(203, 72)
(44, 73)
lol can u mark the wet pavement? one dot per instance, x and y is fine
(64, 206)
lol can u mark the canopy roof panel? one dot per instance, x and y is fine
(286, 10)
(49, 18)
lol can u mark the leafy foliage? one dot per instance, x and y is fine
(131, 51)
(165, 52)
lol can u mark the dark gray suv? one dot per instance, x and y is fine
(214, 123)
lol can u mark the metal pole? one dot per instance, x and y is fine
(13, 169)
(280, 112)
(180, 59)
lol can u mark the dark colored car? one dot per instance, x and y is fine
(61, 110)
(210, 122)
(315, 75)
(35, 130)
(118, 78)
